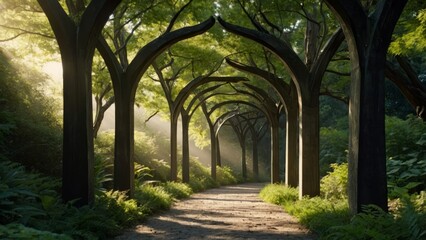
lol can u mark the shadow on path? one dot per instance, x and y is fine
(231, 212)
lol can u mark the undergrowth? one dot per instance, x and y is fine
(328, 215)
(31, 208)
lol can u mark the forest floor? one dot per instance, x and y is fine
(231, 212)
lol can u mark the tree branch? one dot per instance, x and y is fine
(172, 22)
(151, 116)
(338, 73)
(22, 32)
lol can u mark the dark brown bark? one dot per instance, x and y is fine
(77, 45)
(292, 161)
(368, 38)
(213, 141)
(185, 146)
(124, 142)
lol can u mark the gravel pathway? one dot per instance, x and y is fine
(232, 212)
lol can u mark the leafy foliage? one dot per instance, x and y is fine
(199, 177)
(154, 198)
(374, 223)
(279, 194)
(410, 32)
(24, 197)
(406, 152)
(19, 231)
(317, 214)
(146, 154)
(333, 148)
(27, 119)
(225, 176)
(177, 190)
(320, 214)
(334, 185)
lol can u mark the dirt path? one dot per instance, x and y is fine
(233, 212)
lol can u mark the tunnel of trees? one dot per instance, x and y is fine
(304, 85)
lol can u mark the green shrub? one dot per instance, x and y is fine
(160, 169)
(30, 132)
(153, 198)
(24, 196)
(117, 206)
(177, 190)
(199, 177)
(19, 231)
(225, 176)
(335, 184)
(319, 214)
(279, 194)
(333, 148)
(142, 173)
(406, 152)
(31, 206)
(374, 223)
(103, 173)
(145, 154)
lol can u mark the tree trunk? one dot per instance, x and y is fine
(173, 148)
(368, 38)
(185, 147)
(124, 142)
(275, 150)
(243, 159)
(309, 150)
(218, 157)
(292, 161)
(255, 159)
(77, 45)
(77, 163)
(213, 151)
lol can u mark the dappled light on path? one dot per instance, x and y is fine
(233, 212)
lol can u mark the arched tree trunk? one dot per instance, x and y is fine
(368, 38)
(243, 159)
(255, 159)
(309, 150)
(124, 142)
(292, 160)
(218, 157)
(173, 148)
(185, 146)
(77, 45)
(213, 151)
(275, 150)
